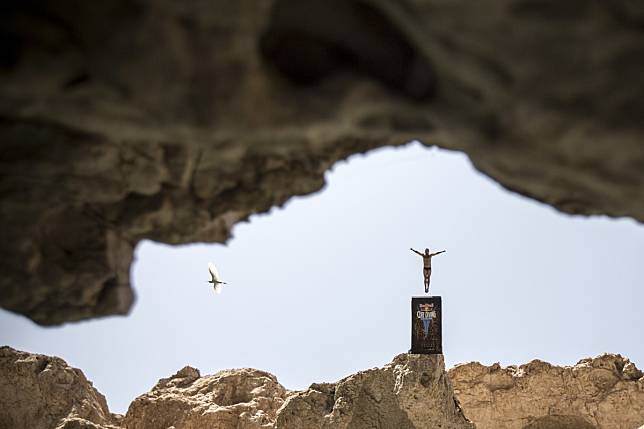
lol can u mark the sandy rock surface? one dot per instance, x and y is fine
(411, 392)
(240, 399)
(606, 392)
(38, 391)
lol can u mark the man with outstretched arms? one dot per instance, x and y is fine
(427, 264)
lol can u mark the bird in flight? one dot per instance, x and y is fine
(216, 280)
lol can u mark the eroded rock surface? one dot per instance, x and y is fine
(38, 391)
(172, 121)
(412, 391)
(606, 392)
(242, 398)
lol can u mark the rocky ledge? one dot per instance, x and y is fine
(413, 391)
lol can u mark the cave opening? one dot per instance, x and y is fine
(320, 288)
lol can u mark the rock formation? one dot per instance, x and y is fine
(172, 121)
(606, 392)
(243, 398)
(39, 391)
(413, 391)
(410, 392)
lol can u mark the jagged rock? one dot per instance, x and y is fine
(413, 391)
(38, 391)
(606, 392)
(235, 399)
(410, 392)
(172, 121)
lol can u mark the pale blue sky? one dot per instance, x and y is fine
(321, 288)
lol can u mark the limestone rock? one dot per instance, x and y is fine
(172, 121)
(235, 399)
(410, 392)
(606, 392)
(38, 391)
(413, 392)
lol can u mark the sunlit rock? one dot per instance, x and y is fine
(243, 398)
(606, 392)
(412, 391)
(38, 391)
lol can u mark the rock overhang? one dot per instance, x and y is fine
(134, 120)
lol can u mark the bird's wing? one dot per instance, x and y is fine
(218, 288)
(213, 271)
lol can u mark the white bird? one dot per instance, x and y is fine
(216, 280)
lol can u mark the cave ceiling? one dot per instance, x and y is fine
(172, 121)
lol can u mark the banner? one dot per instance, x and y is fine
(426, 321)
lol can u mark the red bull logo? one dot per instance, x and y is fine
(426, 314)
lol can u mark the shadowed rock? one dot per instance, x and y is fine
(130, 120)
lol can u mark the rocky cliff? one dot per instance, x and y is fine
(172, 121)
(413, 391)
(606, 392)
(38, 391)
(242, 398)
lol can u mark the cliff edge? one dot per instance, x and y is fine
(412, 391)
